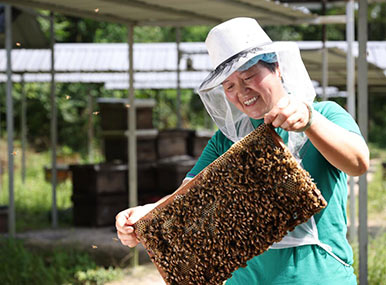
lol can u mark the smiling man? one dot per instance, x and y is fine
(256, 81)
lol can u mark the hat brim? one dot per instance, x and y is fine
(225, 69)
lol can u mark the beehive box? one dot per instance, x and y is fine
(62, 173)
(106, 179)
(3, 219)
(99, 179)
(113, 113)
(116, 147)
(172, 170)
(233, 210)
(198, 142)
(147, 178)
(173, 142)
(97, 210)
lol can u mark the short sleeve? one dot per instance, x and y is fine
(339, 116)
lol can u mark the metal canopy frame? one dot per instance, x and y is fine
(162, 58)
(183, 13)
(151, 12)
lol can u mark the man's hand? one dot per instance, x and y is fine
(124, 222)
(288, 114)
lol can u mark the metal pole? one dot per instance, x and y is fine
(1, 163)
(23, 129)
(324, 56)
(132, 139)
(53, 125)
(9, 106)
(350, 31)
(351, 104)
(90, 131)
(178, 103)
(363, 123)
(324, 72)
(158, 106)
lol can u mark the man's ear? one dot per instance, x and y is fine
(278, 72)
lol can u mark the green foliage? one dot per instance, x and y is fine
(98, 276)
(146, 34)
(77, 30)
(197, 115)
(20, 265)
(72, 113)
(377, 21)
(33, 200)
(194, 33)
(193, 113)
(73, 29)
(38, 112)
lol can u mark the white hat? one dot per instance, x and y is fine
(238, 44)
(233, 43)
(232, 37)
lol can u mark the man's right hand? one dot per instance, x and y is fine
(124, 222)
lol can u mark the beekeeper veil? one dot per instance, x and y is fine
(238, 44)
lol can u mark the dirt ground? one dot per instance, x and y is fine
(142, 275)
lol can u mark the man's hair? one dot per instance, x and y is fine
(271, 66)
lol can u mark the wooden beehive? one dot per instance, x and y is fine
(233, 210)
(115, 146)
(172, 142)
(114, 113)
(171, 172)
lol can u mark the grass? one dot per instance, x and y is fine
(20, 265)
(376, 212)
(377, 187)
(376, 260)
(33, 203)
(376, 194)
(33, 199)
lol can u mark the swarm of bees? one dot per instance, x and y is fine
(233, 210)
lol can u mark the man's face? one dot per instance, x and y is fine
(254, 91)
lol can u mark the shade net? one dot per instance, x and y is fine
(233, 210)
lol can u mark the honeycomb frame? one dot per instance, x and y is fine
(233, 210)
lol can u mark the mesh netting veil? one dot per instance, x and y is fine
(235, 125)
(232, 122)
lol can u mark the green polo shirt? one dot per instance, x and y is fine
(308, 264)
